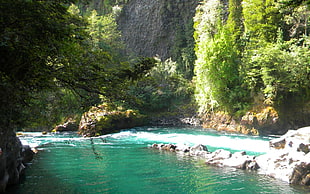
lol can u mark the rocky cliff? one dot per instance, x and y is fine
(152, 28)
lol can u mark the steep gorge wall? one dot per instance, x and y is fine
(150, 28)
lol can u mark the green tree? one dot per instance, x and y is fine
(163, 89)
(280, 71)
(262, 19)
(218, 49)
(234, 22)
(296, 22)
(46, 48)
(294, 3)
(183, 50)
(217, 79)
(103, 32)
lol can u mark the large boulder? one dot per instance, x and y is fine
(27, 154)
(100, 120)
(293, 140)
(289, 157)
(241, 161)
(198, 150)
(280, 164)
(11, 165)
(301, 174)
(69, 125)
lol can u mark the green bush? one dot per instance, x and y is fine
(279, 70)
(162, 89)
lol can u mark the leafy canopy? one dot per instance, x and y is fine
(45, 48)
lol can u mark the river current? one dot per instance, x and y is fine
(124, 163)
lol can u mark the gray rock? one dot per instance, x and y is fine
(287, 160)
(27, 154)
(218, 157)
(292, 140)
(183, 148)
(198, 150)
(289, 157)
(11, 165)
(301, 174)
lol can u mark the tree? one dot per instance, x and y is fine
(162, 89)
(234, 22)
(280, 71)
(46, 48)
(296, 22)
(295, 3)
(218, 49)
(262, 19)
(104, 33)
(34, 37)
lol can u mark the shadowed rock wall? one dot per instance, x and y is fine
(149, 28)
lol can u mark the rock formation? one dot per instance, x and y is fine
(218, 158)
(289, 157)
(287, 160)
(149, 28)
(99, 121)
(69, 125)
(13, 158)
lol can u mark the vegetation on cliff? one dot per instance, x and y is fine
(63, 58)
(257, 56)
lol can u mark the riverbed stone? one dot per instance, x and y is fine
(27, 154)
(183, 148)
(220, 154)
(288, 158)
(301, 174)
(298, 140)
(198, 150)
(242, 161)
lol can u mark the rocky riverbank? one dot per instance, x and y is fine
(287, 160)
(261, 120)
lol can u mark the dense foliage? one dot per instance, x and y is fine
(60, 57)
(53, 58)
(262, 47)
(163, 89)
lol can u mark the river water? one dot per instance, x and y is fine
(124, 163)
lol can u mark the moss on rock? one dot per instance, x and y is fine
(100, 120)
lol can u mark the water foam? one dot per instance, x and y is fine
(190, 138)
(221, 141)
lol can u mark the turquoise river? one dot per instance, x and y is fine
(124, 163)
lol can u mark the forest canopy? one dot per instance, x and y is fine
(50, 55)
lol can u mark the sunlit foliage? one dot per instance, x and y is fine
(260, 48)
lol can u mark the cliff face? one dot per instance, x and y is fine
(151, 28)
